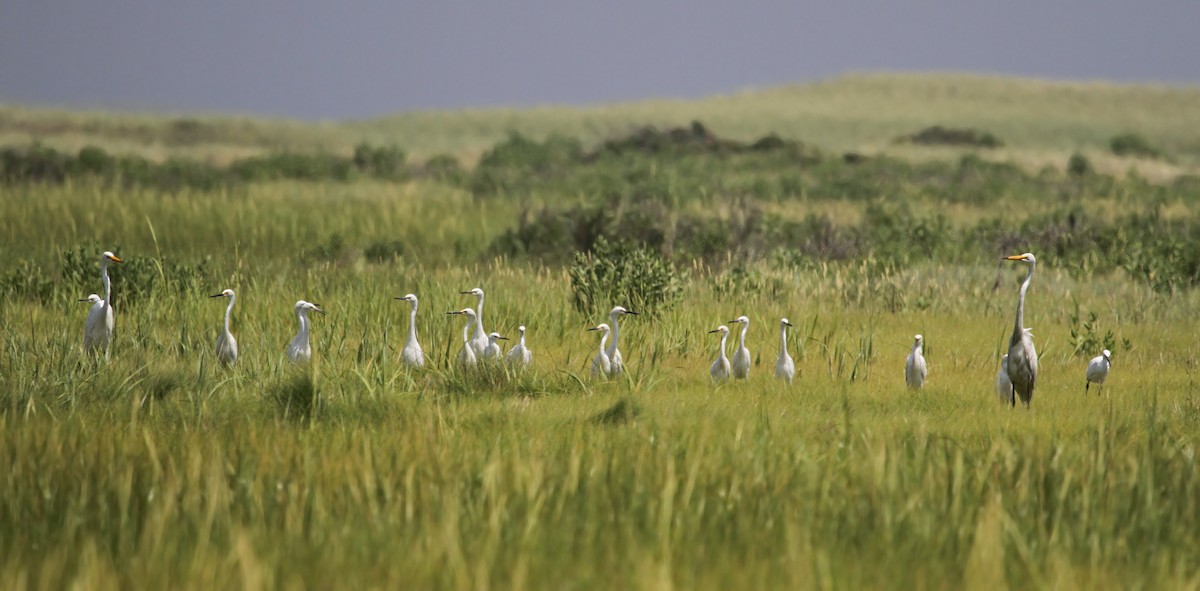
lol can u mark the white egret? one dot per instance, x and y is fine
(467, 357)
(1022, 356)
(1004, 387)
(94, 318)
(741, 357)
(1097, 370)
(785, 368)
(520, 356)
(602, 363)
(914, 366)
(720, 367)
(98, 330)
(614, 354)
(412, 355)
(299, 350)
(479, 342)
(227, 349)
(492, 352)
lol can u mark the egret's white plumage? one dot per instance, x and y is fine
(479, 342)
(785, 368)
(614, 354)
(914, 366)
(1022, 356)
(602, 363)
(95, 318)
(98, 330)
(227, 348)
(299, 350)
(741, 357)
(520, 356)
(720, 367)
(1004, 387)
(1097, 370)
(412, 355)
(493, 352)
(466, 356)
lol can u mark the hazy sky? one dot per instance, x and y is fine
(335, 60)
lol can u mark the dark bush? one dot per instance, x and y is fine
(1135, 145)
(385, 162)
(384, 251)
(622, 274)
(1079, 165)
(946, 136)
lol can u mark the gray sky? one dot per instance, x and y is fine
(316, 59)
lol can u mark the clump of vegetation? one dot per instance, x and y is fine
(1134, 145)
(384, 251)
(27, 281)
(1078, 165)
(949, 136)
(619, 273)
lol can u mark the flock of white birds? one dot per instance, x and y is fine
(1015, 379)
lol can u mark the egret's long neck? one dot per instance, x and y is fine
(1020, 322)
(107, 284)
(742, 340)
(616, 329)
(467, 331)
(603, 339)
(724, 339)
(522, 339)
(479, 316)
(412, 324)
(302, 315)
(783, 337)
(228, 312)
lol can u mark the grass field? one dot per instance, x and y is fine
(161, 469)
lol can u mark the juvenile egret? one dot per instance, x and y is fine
(299, 350)
(227, 351)
(614, 354)
(914, 366)
(411, 354)
(785, 368)
(602, 363)
(479, 342)
(520, 356)
(741, 357)
(467, 357)
(1004, 387)
(492, 351)
(720, 367)
(1022, 356)
(1098, 370)
(98, 330)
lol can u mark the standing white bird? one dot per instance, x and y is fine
(227, 349)
(720, 367)
(98, 330)
(520, 356)
(479, 342)
(1004, 387)
(1097, 370)
(614, 354)
(94, 318)
(412, 355)
(492, 352)
(467, 357)
(299, 350)
(741, 357)
(1022, 356)
(785, 368)
(602, 363)
(914, 366)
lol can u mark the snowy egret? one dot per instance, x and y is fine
(1004, 387)
(614, 354)
(94, 318)
(227, 350)
(479, 342)
(299, 350)
(1022, 356)
(602, 363)
(492, 352)
(98, 330)
(785, 368)
(720, 367)
(1097, 370)
(411, 354)
(520, 356)
(741, 357)
(914, 366)
(467, 357)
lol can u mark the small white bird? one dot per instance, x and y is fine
(1097, 370)
(785, 368)
(98, 330)
(1004, 387)
(720, 367)
(741, 357)
(602, 363)
(520, 356)
(412, 355)
(227, 349)
(466, 356)
(299, 350)
(492, 352)
(914, 366)
(94, 318)
(479, 342)
(614, 354)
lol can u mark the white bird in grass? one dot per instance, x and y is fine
(412, 355)
(614, 354)
(720, 367)
(785, 368)
(914, 366)
(520, 356)
(1097, 370)
(227, 350)
(602, 363)
(1004, 387)
(467, 357)
(1022, 364)
(741, 357)
(492, 352)
(479, 342)
(98, 330)
(299, 350)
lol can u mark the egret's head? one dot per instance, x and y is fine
(496, 337)
(1107, 355)
(111, 257)
(784, 322)
(469, 313)
(303, 306)
(721, 329)
(917, 339)
(408, 298)
(228, 293)
(601, 327)
(741, 320)
(619, 311)
(475, 292)
(1024, 258)
(93, 298)
(521, 329)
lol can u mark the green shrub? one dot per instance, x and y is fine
(948, 136)
(1079, 165)
(28, 281)
(619, 273)
(384, 251)
(385, 162)
(1133, 144)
